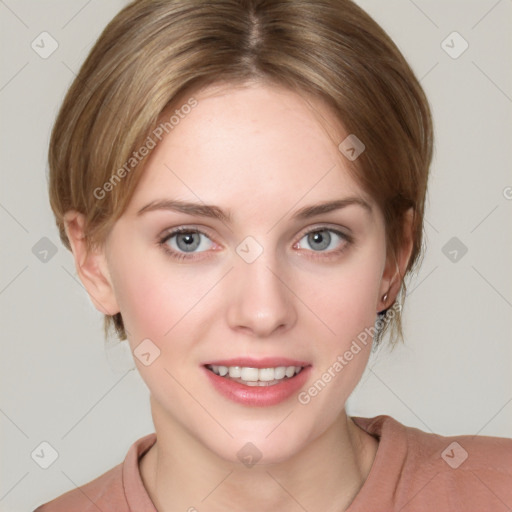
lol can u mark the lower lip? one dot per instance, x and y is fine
(258, 396)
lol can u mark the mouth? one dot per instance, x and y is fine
(250, 376)
(257, 382)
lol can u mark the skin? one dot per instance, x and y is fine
(263, 153)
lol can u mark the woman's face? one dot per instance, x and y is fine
(272, 284)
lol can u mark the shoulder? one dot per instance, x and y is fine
(118, 490)
(473, 471)
(463, 451)
(106, 488)
(448, 472)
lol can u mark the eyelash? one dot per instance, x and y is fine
(162, 242)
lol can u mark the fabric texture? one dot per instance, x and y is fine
(413, 471)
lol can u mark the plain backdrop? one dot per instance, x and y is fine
(62, 386)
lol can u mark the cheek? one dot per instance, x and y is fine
(158, 298)
(143, 292)
(350, 312)
(349, 297)
(138, 305)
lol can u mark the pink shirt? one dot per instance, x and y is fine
(413, 471)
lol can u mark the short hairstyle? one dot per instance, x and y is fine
(155, 53)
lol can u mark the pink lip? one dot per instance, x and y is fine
(267, 362)
(258, 396)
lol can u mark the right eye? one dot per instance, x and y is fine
(183, 241)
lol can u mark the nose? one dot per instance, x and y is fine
(261, 302)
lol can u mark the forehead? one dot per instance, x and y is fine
(249, 146)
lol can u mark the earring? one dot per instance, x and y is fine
(384, 299)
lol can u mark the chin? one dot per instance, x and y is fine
(271, 444)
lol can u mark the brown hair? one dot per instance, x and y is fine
(155, 52)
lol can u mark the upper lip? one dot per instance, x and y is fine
(249, 362)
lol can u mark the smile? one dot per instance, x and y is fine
(256, 376)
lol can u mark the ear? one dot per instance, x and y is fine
(395, 266)
(91, 265)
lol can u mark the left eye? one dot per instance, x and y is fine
(321, 239)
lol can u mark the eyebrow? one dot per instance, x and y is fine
(212, 211)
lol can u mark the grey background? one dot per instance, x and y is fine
(453, 376)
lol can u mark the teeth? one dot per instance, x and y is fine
(250, 374)
(279, 372)
(290, 371)
(255, 376)
(266, 374)
(235, 372)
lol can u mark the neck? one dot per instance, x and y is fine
(181, 474)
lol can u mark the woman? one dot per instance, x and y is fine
(242, 185)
